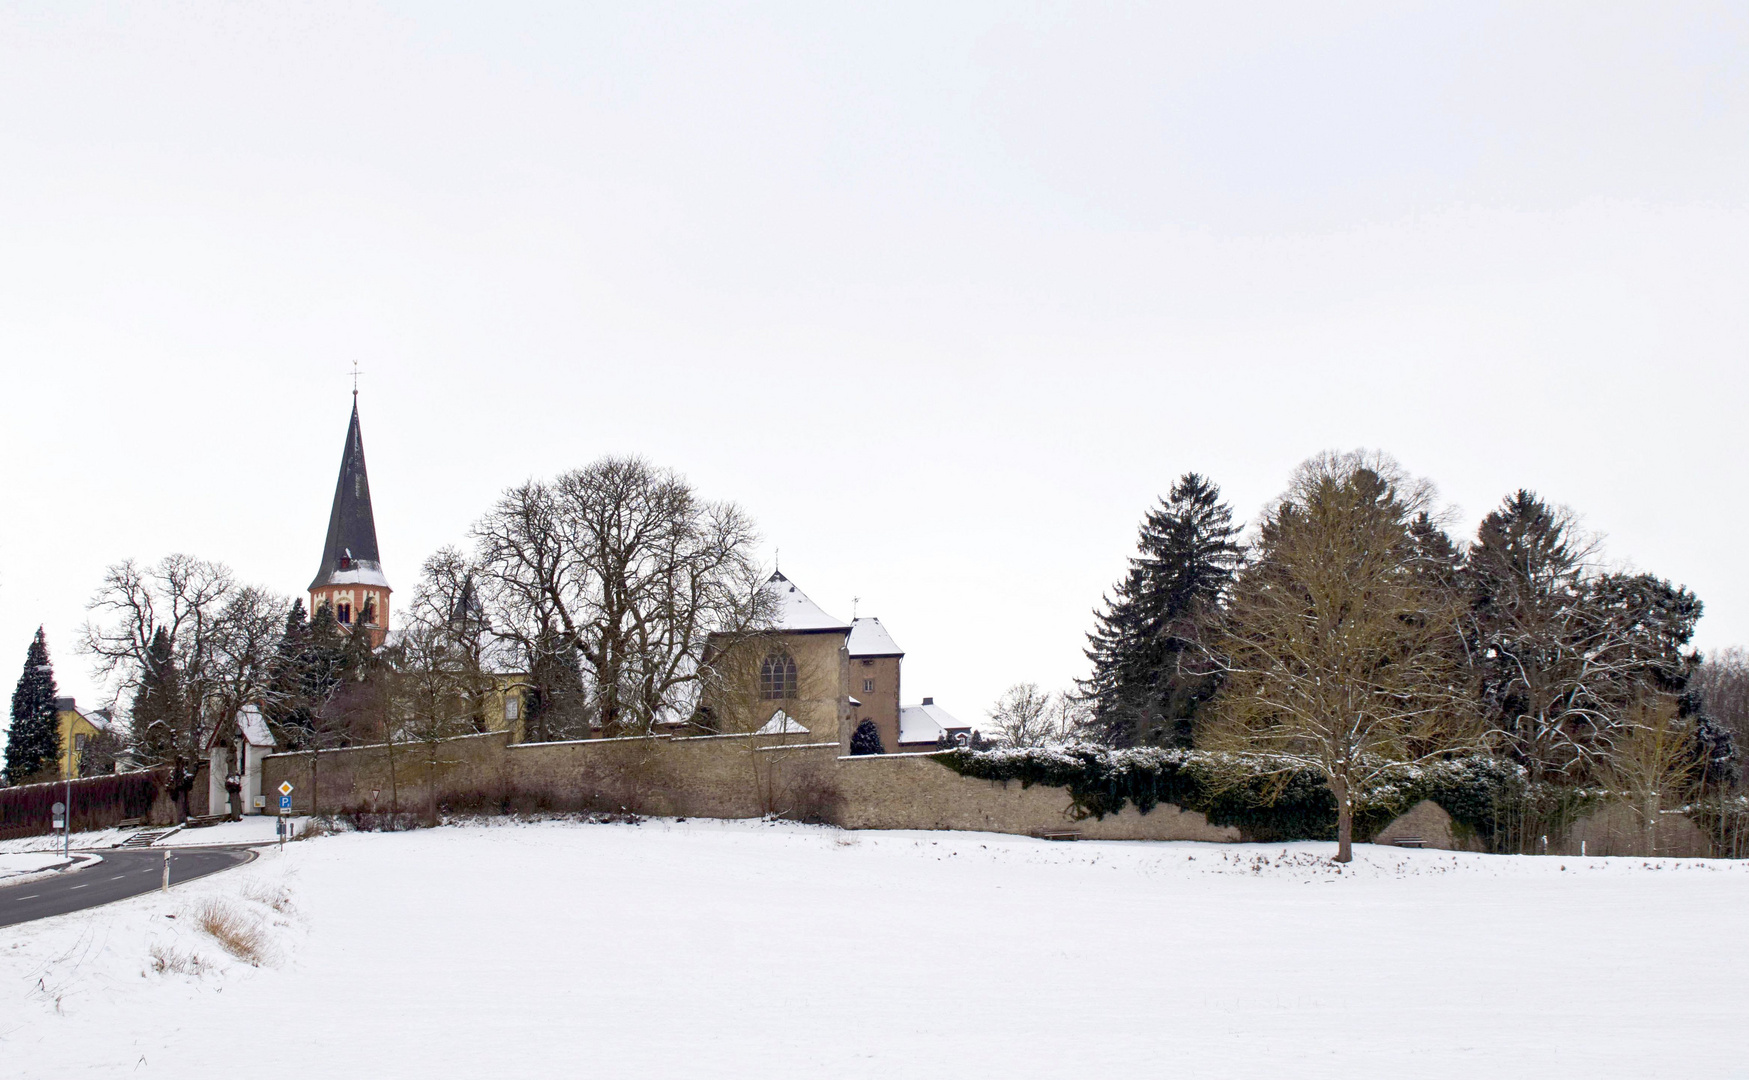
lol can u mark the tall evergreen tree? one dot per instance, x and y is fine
(286, 708)
(1565, 654)
(556, 703)
(158, 708)
(310, 666)
(1151, 670)
(33, 744)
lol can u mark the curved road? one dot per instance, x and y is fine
(120, 875)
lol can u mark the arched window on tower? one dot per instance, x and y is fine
(343, 613)
(777, 677)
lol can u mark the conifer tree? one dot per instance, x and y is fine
(1151, 671)
(284, 707)
(556, 702)
(158, 706)
(33, 744)
(866, 739)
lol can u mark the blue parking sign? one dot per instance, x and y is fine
(285, 802)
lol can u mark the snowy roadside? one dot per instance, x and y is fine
(252, 829)
(86, 841)
(13, 867)
(24, 869)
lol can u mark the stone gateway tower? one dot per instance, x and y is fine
(351, 578)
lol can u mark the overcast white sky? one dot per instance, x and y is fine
(945, 294)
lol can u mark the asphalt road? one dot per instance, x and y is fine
(120, 875)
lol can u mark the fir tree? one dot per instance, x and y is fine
(285, 708)
(158, 707)
(1151, 672)
(321, 668)
(866, 739)
(33, 745)
(556, 703)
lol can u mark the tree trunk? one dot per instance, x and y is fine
(1344, 819)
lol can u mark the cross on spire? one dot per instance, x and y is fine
(355, 374)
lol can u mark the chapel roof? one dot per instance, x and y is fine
(793, 611)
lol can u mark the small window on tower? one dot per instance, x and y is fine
(868, 686)
(343, 613)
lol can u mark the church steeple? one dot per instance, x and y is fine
(351, 576)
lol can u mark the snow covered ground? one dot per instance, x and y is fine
(98, 838)
(739, 949)
(17, 865)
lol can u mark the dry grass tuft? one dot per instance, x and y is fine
(166, 960)
(277, 897)
(240, 935)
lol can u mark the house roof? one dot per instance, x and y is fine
(795, 612)
(926, 723)
(869, 638)
(99, 719)
(254, 726)
(349, 555)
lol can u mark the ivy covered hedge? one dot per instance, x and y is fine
(1265, 805)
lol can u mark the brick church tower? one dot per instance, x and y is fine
(351, 578)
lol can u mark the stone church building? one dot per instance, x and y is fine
(814, 674)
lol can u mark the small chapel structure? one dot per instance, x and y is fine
(811, 673)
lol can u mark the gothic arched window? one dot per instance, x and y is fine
(777, 677)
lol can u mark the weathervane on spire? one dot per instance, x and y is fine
(355, 380)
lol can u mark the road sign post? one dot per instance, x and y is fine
(63, 824)
(285, 790)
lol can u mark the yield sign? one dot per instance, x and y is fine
(285, 787)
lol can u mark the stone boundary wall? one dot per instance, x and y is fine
(725, 776)
(740, 776)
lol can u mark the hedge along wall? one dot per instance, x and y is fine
(1264, 806)
(98, 802)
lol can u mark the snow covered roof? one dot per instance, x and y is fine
(794, 611)
(781, 724)
(927, 722)
(97, 718)
(360, 572)
(869, 638)
(254, 726)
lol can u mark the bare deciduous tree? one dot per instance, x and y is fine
(1025, 715)
(1651, 764)
(1339, 651)
(222, 638)
(624, 563)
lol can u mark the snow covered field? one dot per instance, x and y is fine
(738, 949)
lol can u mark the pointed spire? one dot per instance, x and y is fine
(350, 553)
